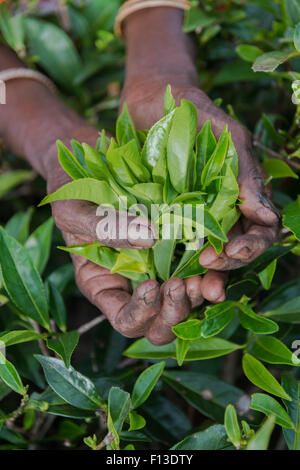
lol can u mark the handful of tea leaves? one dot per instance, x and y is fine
(186, 181)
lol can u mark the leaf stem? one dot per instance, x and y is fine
(88, 326)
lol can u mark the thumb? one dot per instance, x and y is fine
(110, 227)
(257, 205)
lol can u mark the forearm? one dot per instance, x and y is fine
(157, 47)
(33, 119)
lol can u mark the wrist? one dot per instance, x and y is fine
(157, 46)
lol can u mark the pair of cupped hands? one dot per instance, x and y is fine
(151, 310)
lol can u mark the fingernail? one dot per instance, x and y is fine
(140, 234)
(150, 296)
(193, 293)
(242, 253)
(177, 293)
(268, 206)
(208, 258)
(217, 263)
(220, 299)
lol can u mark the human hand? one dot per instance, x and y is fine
(257, 229)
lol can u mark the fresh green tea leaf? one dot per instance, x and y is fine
(292, 387)
(261, 438)
(181, 164)
(125, 129)
(217, 318)
(69, 163)
(273, 351)
(269, 406)
(22, 280)
(86, 189)
(10, 376)
(64, 345)
(70, 385)
(232, 426)
(145, 384)
(256, 372)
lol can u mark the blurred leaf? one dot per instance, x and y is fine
(166, 422)
(268, 124)
(57, 306)
(293, 10)
(10, 179)
(12, 29)
(256, 372)
(39, 243)
(278, 168)
(196, 18)
(248, 52)
(291, 219)
(18, 225)
(270, 61)
(64, 345)
(287, 312)
(206, 393)
(55, 50)
(292, 387)
(269, 406)
(297, 37)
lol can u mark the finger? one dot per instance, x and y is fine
(175, 309)
(249, 246)
(110, 227)
(212, 260)
(257, 205)
(193, 290)
(213, 286)
(241, 249)
(131, 316)
(128, 314)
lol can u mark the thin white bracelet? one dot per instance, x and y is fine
(13, 74)
(132, 6)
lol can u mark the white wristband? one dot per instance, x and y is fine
(13, 74)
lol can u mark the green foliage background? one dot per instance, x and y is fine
(248, 62)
